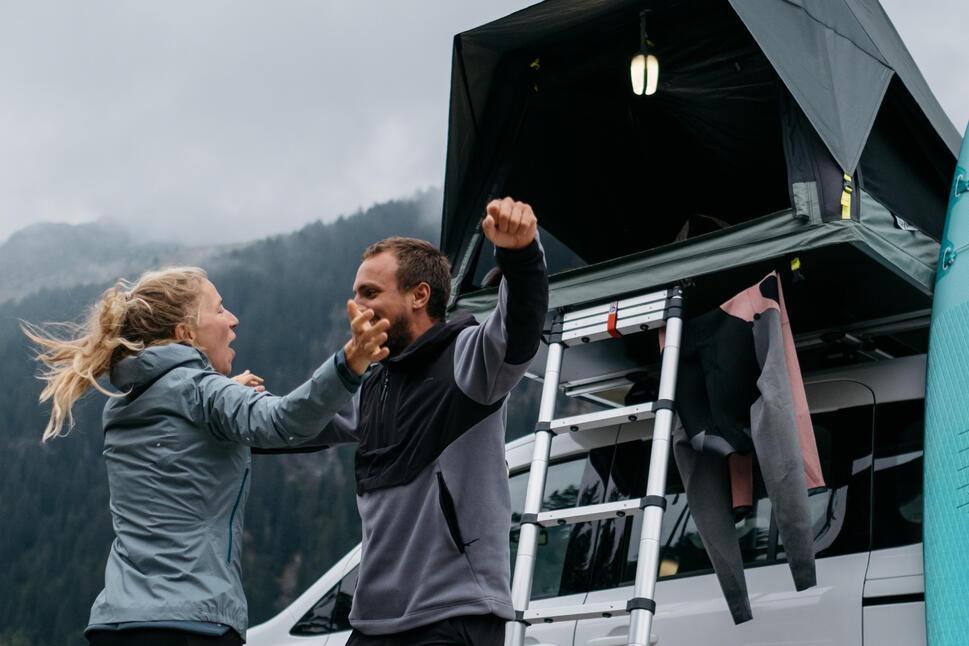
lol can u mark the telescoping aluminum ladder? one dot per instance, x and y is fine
(597, 323)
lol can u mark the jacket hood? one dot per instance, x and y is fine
(438, 336)
(137, 372)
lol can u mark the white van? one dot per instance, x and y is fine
(868, 421)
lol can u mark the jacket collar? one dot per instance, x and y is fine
(435, 339)
(135, 372)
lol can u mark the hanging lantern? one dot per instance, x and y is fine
(644, 66)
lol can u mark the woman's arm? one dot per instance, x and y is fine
(242, 414)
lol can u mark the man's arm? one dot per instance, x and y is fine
(491, 358)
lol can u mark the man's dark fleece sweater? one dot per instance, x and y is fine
(432, 483)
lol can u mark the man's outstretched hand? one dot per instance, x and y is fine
(509, 224)
(366, 345)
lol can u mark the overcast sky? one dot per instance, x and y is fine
(228, 120)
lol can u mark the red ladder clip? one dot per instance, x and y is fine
(611, 321)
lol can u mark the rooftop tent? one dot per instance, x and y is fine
(767, 110)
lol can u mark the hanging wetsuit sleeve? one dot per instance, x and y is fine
(707, 491)
(778, 449)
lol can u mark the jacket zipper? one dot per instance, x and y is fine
(384, 388)
(245, 476)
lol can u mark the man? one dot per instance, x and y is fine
(431, 479)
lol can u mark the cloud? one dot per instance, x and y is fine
(935, 34)
(221, 121)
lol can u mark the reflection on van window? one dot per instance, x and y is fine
(564, 552)
(523, 404)
(332, 612)
(840, 513)
(899, 438)
(603, 555)
(681, 547)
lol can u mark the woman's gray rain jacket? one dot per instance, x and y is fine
(177, 451)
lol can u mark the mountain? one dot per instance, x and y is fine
(50, 255)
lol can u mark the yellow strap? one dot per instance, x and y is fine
(795, 264)
(846, 198)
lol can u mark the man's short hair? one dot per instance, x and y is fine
(418, 261)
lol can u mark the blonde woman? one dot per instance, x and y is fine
(177, 434)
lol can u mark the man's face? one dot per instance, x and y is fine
(375, 287)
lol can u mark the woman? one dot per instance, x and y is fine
(177, 433)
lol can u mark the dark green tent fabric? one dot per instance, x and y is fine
(837, 58)
(907, 254)
(828, 63)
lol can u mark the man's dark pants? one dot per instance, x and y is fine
(476, 630)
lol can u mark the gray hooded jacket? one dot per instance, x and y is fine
(177, 451)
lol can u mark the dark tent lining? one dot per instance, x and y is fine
(900, 167)
(611, 173)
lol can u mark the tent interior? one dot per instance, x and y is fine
(612, 173)
(614, 176)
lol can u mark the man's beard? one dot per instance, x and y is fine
(398, 336)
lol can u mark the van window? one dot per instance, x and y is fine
(899, 437)
(564, 553)
(524, 401)
(332, 612)
(840, 514)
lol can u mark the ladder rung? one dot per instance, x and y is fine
(618, 509)
(603, 418)
(621, 314)
(603, 308)
(628, 316)
(624, 326)
(592, 387)
(572, 613)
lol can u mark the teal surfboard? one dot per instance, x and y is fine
(946, 512)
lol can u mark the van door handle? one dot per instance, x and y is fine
(617, 640)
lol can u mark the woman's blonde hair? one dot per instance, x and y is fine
(126, 319)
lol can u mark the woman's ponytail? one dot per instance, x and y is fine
(124, 321)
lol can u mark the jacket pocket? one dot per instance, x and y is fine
(450, 513)
(232, 516)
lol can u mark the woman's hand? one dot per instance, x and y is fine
(249, 379)
(367, 343)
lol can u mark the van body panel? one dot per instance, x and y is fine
(691, 610)
(900, 624)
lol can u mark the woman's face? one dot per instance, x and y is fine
(216, 329)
